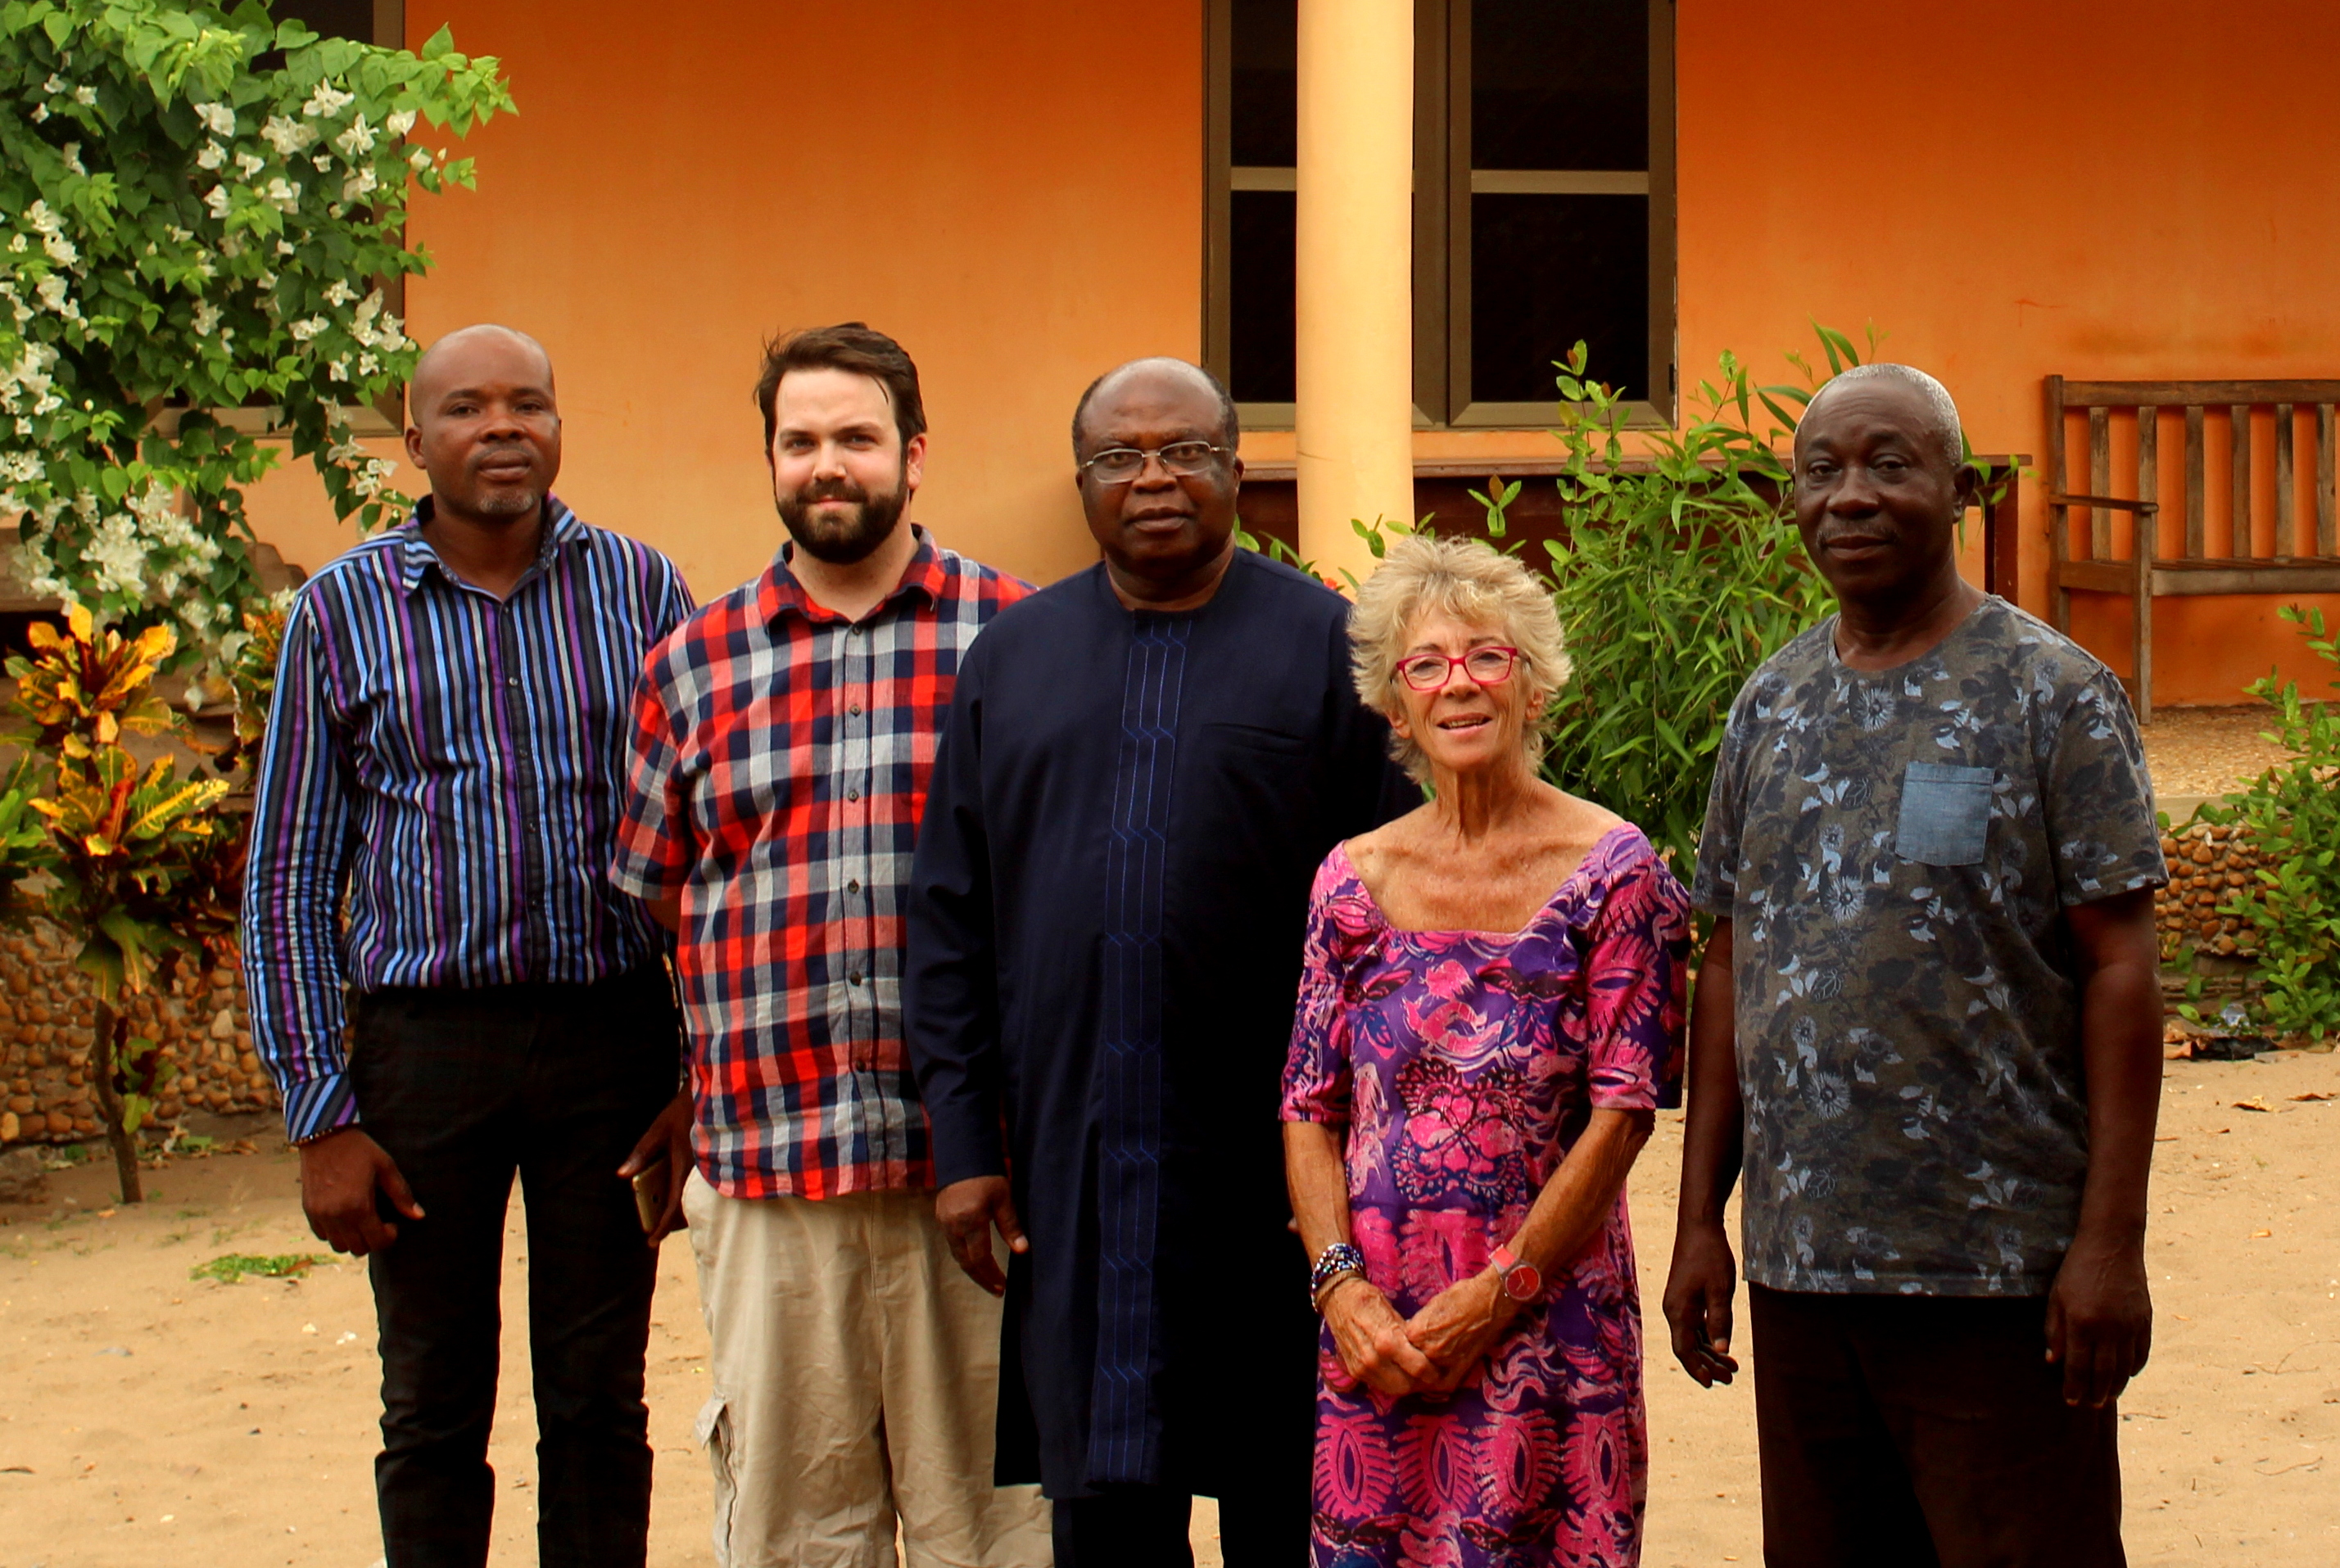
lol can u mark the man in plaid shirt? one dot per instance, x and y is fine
(783, 736)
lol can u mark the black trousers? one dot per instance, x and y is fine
(1146, 1527)
(464, 1088)
(1919, 1430)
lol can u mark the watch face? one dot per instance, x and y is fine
(1522, 1283)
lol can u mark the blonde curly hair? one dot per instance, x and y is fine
(1474, 582)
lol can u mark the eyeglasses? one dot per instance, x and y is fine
(1119, 464)
(1487, 666)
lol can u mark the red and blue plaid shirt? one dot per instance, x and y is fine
(780, 758)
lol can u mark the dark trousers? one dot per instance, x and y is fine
(1926, 1430)
(463, 1087)
(1146, 1527)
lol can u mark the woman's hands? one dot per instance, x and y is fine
(1431, 1352)
(1457, 1326)
(1373, 1340)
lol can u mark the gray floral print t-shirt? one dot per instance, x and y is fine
(1896, 848)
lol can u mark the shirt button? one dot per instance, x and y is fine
(853, 795)
(855, 710)
(511, 680)
(853, 979)
(854, 886)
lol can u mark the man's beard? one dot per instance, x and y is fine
(842, 541)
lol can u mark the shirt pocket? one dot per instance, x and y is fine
(1945, 814)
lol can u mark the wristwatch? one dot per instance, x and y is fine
(1521, 1281)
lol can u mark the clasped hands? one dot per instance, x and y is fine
(1431, 1352)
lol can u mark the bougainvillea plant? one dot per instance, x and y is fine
(200, 212)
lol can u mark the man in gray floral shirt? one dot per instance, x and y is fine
(1927, 1031)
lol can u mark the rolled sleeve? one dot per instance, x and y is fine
(655, 850)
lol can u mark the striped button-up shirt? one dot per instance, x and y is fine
(439, 788)
(780, 761)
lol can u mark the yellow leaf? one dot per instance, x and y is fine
(41, 634)
(98, 845)
(77, 618)
(108, 731)
(154, 645)
(48, 808)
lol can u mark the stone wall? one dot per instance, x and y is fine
(2207, 866)
(46, 1016)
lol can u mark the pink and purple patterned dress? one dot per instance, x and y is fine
(1463, 1064)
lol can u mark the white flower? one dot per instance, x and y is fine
(16, 242)
(212, 156)
(207, 316)
(52, 290)
(322, 162)
(357, 139)
(338, 369)
(217, 118)
(53, 85)
(61, 249)
(338, 293)
(43, 219)
(282, 194)
(304, 329)
(327, 100)
(217, 201)
(40, 114)
(399, 124)
(72, 157)
(286, 134)
(284, 247)
(84, 95)
(358, 185)
(250, 163)
(368, 364)
(420, 157)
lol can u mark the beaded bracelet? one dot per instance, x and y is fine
(1341, 1257)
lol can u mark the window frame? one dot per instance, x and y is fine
(1441, 223)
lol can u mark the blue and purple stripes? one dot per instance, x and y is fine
(440, 787)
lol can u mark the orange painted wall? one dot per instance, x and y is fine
(1014, 188)
(1010, 190)
(2012, 190)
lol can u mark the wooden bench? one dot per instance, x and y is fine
(2250, 546)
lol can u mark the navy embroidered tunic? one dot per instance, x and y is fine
(1104, 935)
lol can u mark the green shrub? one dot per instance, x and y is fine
(2291, 815)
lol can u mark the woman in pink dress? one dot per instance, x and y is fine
(1492, 1009)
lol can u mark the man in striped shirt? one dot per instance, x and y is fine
(782, 740)
(436, 813)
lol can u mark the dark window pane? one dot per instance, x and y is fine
(1266, 84)
(334, 19)
(1560, 85)
(1259, 307)
(1546, 270)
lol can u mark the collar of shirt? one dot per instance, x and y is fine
(778, 592)
(416, 558)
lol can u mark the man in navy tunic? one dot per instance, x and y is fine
(1144, 766)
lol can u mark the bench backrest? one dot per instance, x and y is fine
(2237, 421)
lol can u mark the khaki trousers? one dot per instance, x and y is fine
(855, 1383)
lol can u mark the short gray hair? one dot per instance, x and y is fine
(1472, 581)
(1944, 425)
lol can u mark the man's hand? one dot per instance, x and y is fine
(1699, 1287)
(969, 1210)
(668, 1140)
(340, 1174)
(2099, 1321)
(1373, 1342)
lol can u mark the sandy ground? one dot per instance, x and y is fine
(149, 1417)
(2209, 750)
